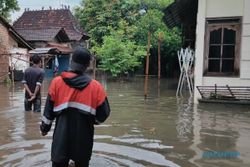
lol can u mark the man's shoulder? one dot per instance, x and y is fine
(93, 81)
(57, 79)
(96, 83)
(39, 70)
(28, 69)
(42, 70)
(36, 69)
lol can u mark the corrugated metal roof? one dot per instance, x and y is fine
(62, 48)
(52, 48)
(44, 51)
(172, 17)
(180, 11)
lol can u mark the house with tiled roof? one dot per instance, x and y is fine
(52, 19)
(52, 28)
(13, 50)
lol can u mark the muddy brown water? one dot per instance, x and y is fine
(160, 131)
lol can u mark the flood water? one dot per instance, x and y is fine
(159, 131)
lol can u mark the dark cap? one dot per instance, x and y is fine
(36, 58)
(80, 59)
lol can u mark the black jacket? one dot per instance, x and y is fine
(77, 102)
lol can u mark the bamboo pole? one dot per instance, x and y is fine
(159, 55)
(159, 87)
(147, 66)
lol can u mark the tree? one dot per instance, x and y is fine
(119, 32)
(112, 33)
(7, 6)
(119, 54)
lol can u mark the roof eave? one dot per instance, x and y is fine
(17, 36)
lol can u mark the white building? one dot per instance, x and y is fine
(222, 51)
(219, 32)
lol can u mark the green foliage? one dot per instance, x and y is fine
(119, 32)
(7, 6)
(122, 54)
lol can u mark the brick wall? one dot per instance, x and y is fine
(6, 42)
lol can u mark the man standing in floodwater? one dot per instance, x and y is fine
(32, 81)
(77, 102)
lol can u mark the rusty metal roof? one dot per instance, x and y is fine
(181, 11)
(47, 50)
(52, 48)
(61, 47)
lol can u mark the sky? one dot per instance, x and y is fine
(38, 4)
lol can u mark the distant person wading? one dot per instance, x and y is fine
(32, 81)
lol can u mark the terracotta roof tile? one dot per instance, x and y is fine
(48, 34)
(45, 19)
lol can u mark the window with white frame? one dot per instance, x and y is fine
(222, 44)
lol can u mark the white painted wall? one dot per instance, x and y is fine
(245, 43)
(245, 71)
(246, 29)
(19, 58)
(246, 18)
(224, 8)
(223, 81)
(199, 48)
(245, 48)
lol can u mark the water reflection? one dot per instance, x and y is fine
(224, 128)
(185, 117)
(158, 131)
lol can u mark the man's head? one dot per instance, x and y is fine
(80, 59)
(36, 59)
